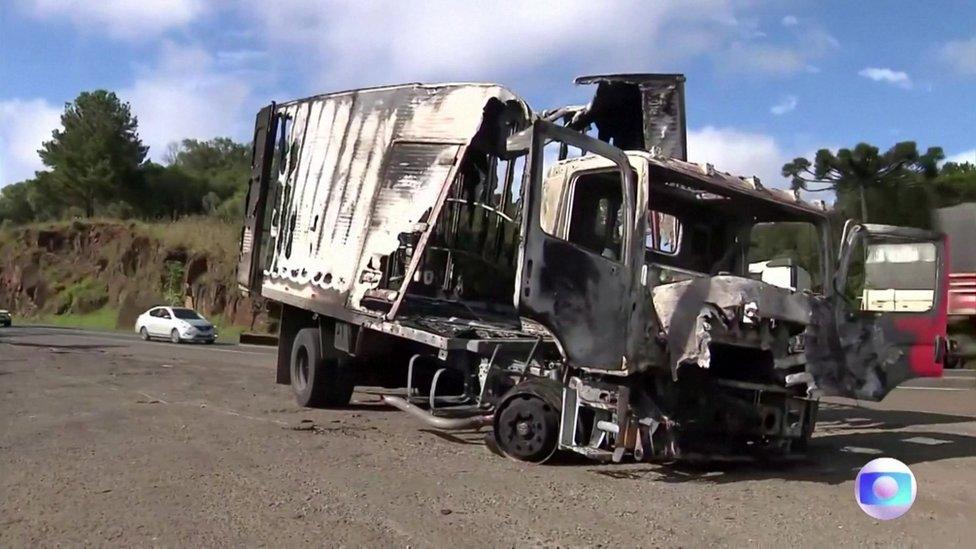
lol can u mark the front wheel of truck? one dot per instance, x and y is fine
(526, 424)
(318, 380)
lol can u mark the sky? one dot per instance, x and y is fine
(766, 81)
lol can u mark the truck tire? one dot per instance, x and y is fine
(316, 379)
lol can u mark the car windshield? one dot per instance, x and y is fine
(186, 314)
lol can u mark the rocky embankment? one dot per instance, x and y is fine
(80, 267)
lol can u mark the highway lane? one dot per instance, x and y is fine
(126, 344)
(106, 439)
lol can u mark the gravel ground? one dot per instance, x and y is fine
(109, 440)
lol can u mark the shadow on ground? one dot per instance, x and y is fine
(834, 456)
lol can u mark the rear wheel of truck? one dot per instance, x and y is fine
(318, 380)
(527, 425)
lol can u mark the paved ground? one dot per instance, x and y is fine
(105, 439)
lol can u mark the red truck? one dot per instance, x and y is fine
(959, 225)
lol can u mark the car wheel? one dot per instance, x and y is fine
(144, 334)
(174, 336)
(318, 380)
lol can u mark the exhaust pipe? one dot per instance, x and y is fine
(444, 423)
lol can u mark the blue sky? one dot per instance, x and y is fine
(767, 81)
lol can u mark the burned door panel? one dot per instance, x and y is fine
(579, 285)
(249, 265)
(886, 323)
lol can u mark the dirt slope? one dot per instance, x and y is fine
(83, 266)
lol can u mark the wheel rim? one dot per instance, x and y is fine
(144, 333)
(527, 428)
(301, 370)
(174, 336)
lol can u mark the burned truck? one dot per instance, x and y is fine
(564, 277)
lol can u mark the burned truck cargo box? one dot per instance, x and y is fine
(355, 175)
(599, 295)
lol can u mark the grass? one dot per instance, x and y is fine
(83, 296)
(217, 238)
(200, 234)
(102, 320)
(228, 333)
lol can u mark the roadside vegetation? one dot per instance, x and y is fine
(102, 229)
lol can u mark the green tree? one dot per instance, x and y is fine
(873, 180)
(223, 163)
(14, 203)
(96, 154)
(168, 191)
(956, 184)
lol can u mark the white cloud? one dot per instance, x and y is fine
(803, 45)
(187, 95)
(895, 78)
(24, 125)
(789, 21)
(739, 153)
(126, 19)
(240, 58)
(390, 41)
(765, 58)
(965, 156)
(787, 104)
(961, 55)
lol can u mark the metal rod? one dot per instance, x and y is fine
(433, 388)
(410, 374)
(491, 363)
(447, 424)
(529, 359)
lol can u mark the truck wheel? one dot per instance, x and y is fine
(319, 381)
(527, 425)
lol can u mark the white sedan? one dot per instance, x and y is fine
(176, 324)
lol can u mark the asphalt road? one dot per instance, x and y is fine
(105, 439)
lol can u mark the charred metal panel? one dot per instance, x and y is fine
(356, 170)
(658, 100)
(248, 268)
(692, 310)
(706, 178)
